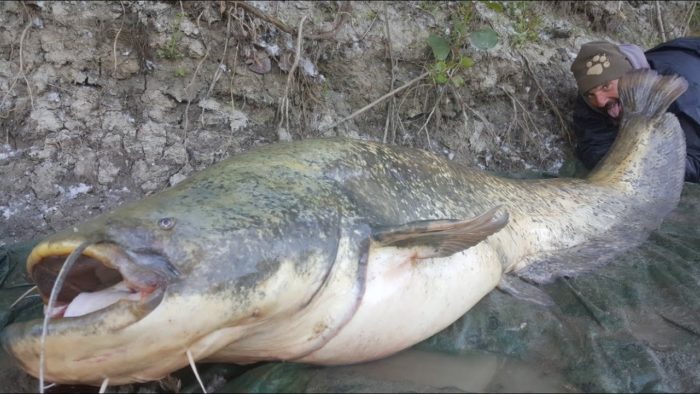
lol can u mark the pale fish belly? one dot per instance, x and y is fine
(407, 300)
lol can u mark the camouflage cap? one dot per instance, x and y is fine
(598, 62)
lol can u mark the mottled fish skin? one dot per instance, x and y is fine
(266, 255)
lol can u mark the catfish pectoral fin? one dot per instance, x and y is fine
(443, 237)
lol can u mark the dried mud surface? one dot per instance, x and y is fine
(105, 102)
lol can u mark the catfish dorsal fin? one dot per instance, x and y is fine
(442, 237)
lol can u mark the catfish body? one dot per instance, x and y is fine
(334, 251)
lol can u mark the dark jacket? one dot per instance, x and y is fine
(596, 131)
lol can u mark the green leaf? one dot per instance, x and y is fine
(440, 67)
(466, 62)
(440, 46)
(461, 28)
(458, 81)
(484, 39)
(441, 78)
(495, 5)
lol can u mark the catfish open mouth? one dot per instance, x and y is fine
(101, 276)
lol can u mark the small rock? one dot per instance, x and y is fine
(176, 178)
(46, 120)
(195, 47)
(283, 134)
(107, 170)
(189, 28)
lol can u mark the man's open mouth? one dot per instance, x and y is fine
(101, 276)
(613, 109)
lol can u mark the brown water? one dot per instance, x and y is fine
(471, 373)
(413, 370)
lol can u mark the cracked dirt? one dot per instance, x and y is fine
(104, 102)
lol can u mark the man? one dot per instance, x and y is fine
(597, 114)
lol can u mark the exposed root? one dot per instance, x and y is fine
(116, 38)
(555, 109)
(371, 25)
(20, 72)
(217, 73)
(189, 100)
(194, 369)
(528, 124)
(379, 100)
(57, 286)
(688, 19)
(430, 116)
(267, 18)
(391, 105)
(486, 123)
(284, 101)
(514, 118)
(341, 18)
(660, 21)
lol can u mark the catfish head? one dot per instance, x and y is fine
(163, 277)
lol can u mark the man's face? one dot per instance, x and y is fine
(604, 97)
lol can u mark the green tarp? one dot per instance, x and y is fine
(632, 326)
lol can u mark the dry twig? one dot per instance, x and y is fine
(371, 25)
(686, 27)
(660, 21)
(463, 104)
(379, 100)
(391, 105)
(528, 123)
(430, 115)
(194, 75)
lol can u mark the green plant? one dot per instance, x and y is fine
(495, 5)
(449, 62)
(371, 14)
(171, 49)
(428, 6)
(694, 22)
(462, 21)
(446, 67)
(180, 72)
(526, 23)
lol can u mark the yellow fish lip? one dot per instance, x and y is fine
(64, 248)
(99, 266)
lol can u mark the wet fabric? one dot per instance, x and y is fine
(633, 326)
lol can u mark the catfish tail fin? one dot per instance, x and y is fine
(650, 144)
(643, 170)
(644, 92)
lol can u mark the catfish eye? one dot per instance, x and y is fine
(166, 223)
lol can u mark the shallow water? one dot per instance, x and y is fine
(474, 372)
